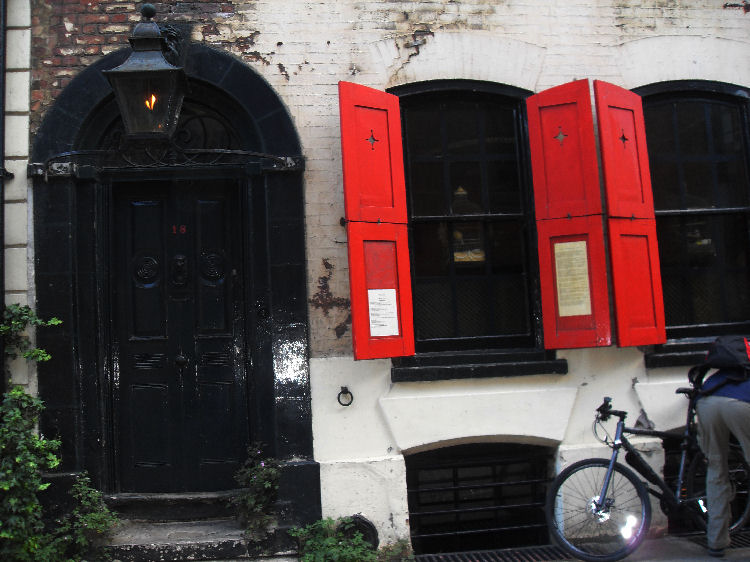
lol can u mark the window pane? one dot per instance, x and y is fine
(691, 127)
(704, 265)
(466, 187)
(433, 309)
(725, 120)
(671, 242)
(501, 137)
(732, 180)
(698, 185)
(472, 311)
(735, 240)
(705, 297)
(461, 128)
(665, 184)
(738, 296)
(660, 128)
(503, 186)
(468, 247)
(430, 255)
(507, 243)
(511, 304)
(423, 132)
(427, 189)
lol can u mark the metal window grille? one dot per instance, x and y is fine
(471, 221)
(699, 156)
(478, 497)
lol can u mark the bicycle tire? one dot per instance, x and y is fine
(603, 535)
(739, 478)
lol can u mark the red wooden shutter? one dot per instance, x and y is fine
(575, 308)
(372, 155)
(382, 321)
(636, 275)
(375, 201)
(563, 152)
(572, 263)
(622, 138)
(636, 282)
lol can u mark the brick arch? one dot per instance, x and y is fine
(461, 54)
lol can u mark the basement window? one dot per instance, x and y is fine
(478, 497)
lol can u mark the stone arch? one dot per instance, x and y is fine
(460, 55)
(73, 110)
(668, 58)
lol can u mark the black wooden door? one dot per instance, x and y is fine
(179, 374)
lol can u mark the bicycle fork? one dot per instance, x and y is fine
(601, 505)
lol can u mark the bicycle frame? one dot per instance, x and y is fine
(672, 497)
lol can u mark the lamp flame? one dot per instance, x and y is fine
(150, 103)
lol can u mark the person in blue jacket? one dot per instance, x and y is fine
(725, 409)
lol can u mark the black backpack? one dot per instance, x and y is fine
(730, 354)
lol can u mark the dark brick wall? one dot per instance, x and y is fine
(68, 35)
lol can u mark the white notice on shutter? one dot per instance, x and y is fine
(383, 312)
(572, 273)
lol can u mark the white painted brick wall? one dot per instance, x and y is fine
(534, 44)
(304, 47)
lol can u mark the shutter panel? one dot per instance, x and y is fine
(636, 282)
(622, 137)
(572, 262)
(382, 320)
(372, 155)
(636, 275)
(563, 152)
(375, 201)
(575, 304)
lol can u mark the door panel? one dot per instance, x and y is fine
(181, 419)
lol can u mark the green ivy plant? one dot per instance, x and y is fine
(90, 522)
(16, 319)
(258, 479)
(23, 456)
(333, 540)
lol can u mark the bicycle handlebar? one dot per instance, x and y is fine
(604, 411)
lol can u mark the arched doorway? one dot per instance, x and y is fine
(179, 272)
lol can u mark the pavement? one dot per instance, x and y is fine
(679, 548)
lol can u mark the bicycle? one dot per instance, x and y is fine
(599, 510)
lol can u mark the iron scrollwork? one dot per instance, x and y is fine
(203, 138)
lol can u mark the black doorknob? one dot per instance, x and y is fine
(180, 360)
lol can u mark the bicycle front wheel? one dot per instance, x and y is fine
(590, 529)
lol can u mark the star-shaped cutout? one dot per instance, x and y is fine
(623, 138)
(372, 140)
(560, 136)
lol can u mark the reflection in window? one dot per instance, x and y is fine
(698, 153)
(469, 219)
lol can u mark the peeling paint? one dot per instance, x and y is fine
(744, 6)
(255, 56)
(324, 300)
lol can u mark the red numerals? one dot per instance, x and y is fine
(179, 229)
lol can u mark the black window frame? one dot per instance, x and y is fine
(480, 357)
(686, 344)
